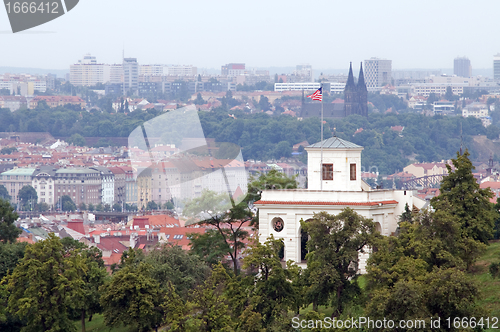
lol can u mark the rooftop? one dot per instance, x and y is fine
(335, 143)
(19, 171)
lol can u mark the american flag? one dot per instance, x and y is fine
(318, 95)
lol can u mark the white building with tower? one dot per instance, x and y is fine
(334, 183)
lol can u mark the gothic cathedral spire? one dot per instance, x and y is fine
(362, 95)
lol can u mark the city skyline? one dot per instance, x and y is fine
(260, 34)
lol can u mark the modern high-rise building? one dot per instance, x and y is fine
(496, 67)
(377, 72)
(130, 75)
(88, 72)
(462, 67)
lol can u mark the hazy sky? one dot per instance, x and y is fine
(325, 34)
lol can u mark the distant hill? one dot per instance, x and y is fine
(38, 71)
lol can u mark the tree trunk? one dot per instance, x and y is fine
(315, 306)
(83, 320)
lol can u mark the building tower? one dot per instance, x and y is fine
(355, 95)
(462, 67)
(378, 73)
(496, 67)
(350, 94)
(130, 75)
(362, 93)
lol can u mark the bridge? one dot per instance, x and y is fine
(428, 181)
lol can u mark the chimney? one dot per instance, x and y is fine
(97, 239)
(132, 241)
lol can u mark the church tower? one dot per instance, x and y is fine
(362, 95)
(355, 95)
(350, 92)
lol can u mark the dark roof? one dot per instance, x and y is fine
(335, 143)
(350, 85)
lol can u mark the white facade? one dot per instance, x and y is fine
(335, 88)
(346, 189)
(44, 185)
(425, 89)
(445, 79)
(130, 75)
(477, 110)
(181, 70)
(153, 70)
(86, 72)
(113, 74)
(378, 72)
(496, 67)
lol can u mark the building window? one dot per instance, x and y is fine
(327, 171)
(353, 172)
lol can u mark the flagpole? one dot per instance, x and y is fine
(321, 162)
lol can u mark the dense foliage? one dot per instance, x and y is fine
(265, 137)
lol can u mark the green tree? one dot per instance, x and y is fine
(449, 93)
(210, 307)
(107, 208)
(27, 197)
(117, 207)
(462, 197)
(87, 299)
(334, 245)
(91, 207)
(199, 100)
(209, 246)
(176, 310)
(270, 181)
(212, 209)
(42, 286)
(496, 231)
(8, 231)
(4, 193)
(10, 255)
(67, 203)
(420, 272)
(492, 132)
(43, 207)
(152, 206)
(274, 294)
(169, 205)
(82, 207)
(264, 103)
(132, 298)
(77, 140)
(172, 264)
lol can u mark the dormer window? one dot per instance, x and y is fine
(327, 172)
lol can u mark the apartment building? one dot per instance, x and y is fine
(81, 184)
(55, 101)
(462, 67)
(13, 180)
(130, 75)
(377, 72)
